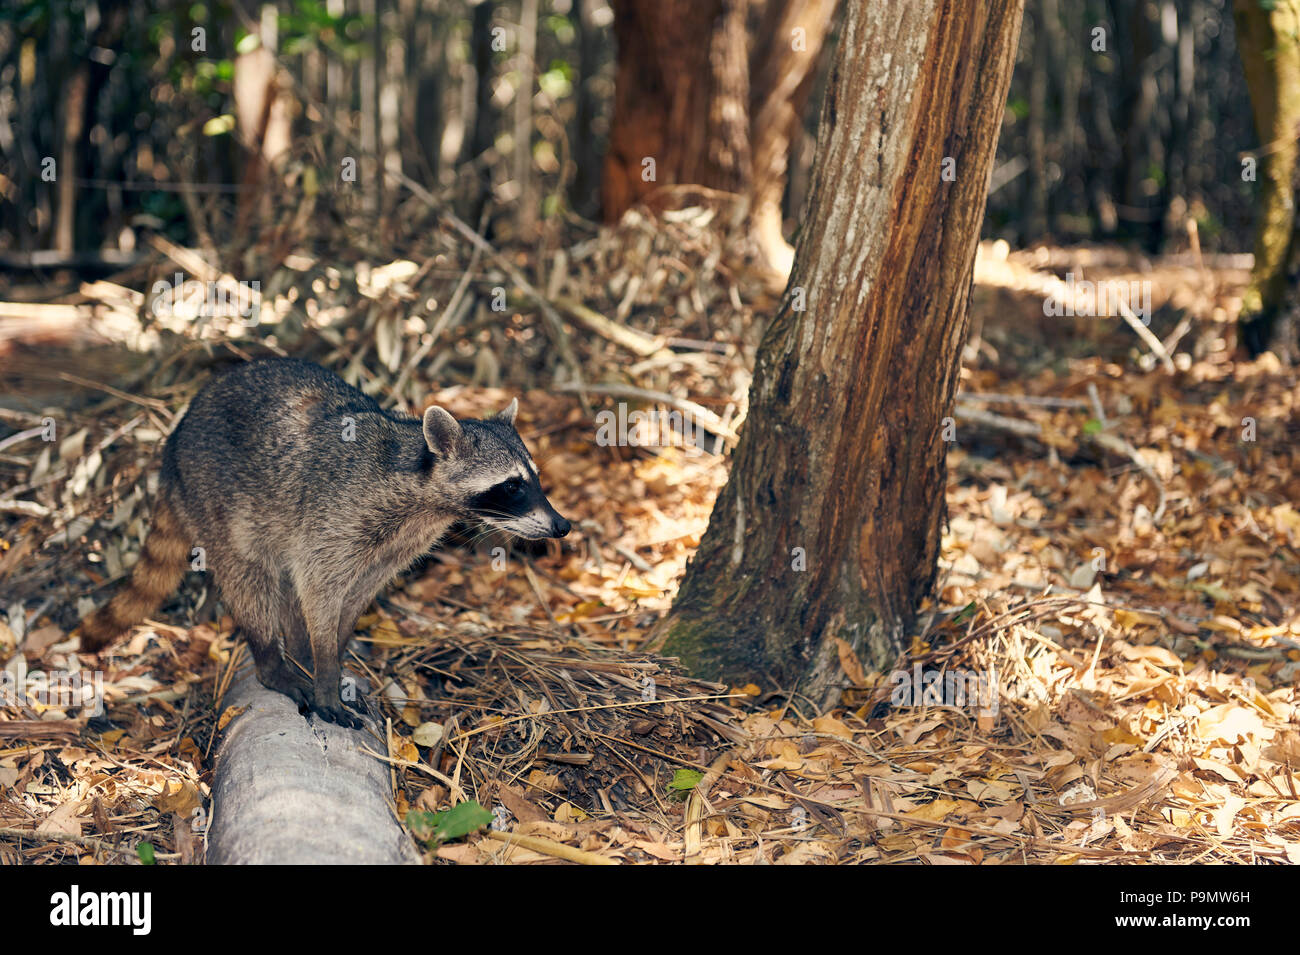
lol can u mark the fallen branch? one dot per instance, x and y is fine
(999, 273)
(289, 790)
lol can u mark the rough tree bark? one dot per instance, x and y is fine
(828, 529)
(1270, 57)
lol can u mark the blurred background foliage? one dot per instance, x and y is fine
(1125, 119)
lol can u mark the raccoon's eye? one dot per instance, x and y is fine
(513, 487)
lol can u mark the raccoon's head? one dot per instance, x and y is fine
(490, 473)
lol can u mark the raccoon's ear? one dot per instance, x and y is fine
(507, 414)
(442, 432)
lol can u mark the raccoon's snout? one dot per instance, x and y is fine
(560, 527)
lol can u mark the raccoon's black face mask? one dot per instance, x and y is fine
(518, 505)
(502, 482)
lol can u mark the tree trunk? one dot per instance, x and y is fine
(425, 118)
(586, 155)
(1036, 138)
(1270, 56)
(480, 139)
(828, 529)
(78, 114)
(263, 116)
(523, 158)
(681, 100)
(74, 124)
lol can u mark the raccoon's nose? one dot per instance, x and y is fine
(560, 527)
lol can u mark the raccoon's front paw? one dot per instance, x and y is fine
(333, 711)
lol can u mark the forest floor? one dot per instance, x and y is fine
(1118, 590)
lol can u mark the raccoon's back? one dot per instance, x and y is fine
(258, 437)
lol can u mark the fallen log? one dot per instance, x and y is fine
(290, 790)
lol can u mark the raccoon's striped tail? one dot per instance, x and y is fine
(156, 574)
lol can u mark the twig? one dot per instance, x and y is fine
(1097, 408)
(153, 403)
(638, 343)
(1025, 429)
(1156, 345)
(695, 804)
(29, 508)
(1120, 446)
(557, 850)
(632, 557)
(34, 836)
(1040, 401)
(21, 436)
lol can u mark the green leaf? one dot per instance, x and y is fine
(145, 851)
(1092, 426)
(454, 823)
(965, 613)
(686, 779)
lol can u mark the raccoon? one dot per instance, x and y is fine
(306, 497)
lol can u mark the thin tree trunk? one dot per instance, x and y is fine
(586, 157)
(368, 112)
(1270, 55)
(1180, 154)
(79, 106)
(681, 100)
(263, 116)
(524, 118)
(828, 529)
(395, 67)
(75, 106)
(783, 69)
(1036, 139)
(480, 139)
(424, 115)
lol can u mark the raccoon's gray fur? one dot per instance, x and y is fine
(307, 498)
